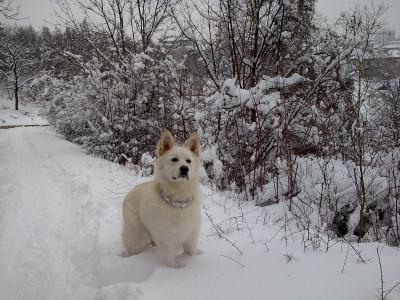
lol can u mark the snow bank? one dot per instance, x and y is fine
(26, 115)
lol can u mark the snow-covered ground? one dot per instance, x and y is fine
(26, 115)
(60, 221)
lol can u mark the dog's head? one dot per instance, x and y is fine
(177, 163)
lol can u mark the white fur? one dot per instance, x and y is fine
(148, 218)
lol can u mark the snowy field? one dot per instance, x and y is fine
(60, 221)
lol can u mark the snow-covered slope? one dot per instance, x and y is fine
(60, 223)
(27, 115)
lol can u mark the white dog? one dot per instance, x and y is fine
(166, 210)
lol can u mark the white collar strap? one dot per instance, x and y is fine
(174, 203)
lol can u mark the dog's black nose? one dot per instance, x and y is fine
(184, 170)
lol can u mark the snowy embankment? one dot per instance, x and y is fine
(27, 115)
(60, 222)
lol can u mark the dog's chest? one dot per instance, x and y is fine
(175, 223)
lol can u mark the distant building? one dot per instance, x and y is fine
(385, 36)
(392, 49)
(381, 69)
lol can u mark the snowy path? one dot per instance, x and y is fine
(60, 238)
(48, 232)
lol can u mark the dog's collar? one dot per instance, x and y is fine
(174, 203)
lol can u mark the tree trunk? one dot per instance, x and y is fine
(16, 88)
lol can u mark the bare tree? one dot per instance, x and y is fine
(8, 10)
(17, 57)
(386, 112)
(361, 24)
(147, 17)
(127, 23)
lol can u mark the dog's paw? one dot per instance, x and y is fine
(123, 253)
(193, 252)
(177, 264)
(198, 252)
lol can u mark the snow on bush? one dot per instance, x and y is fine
(118, 112)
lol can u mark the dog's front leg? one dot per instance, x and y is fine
(190, 245)
(169, 254)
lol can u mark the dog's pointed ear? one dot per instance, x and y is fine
(165, 143)
(193, 144)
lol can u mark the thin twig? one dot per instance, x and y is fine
(232, 259)
(247, 225)
(355, 250)
(218, 230)
(117, 193)
(347, 255)
(380, 268)
(276, 233)
(384, 293)
(389, 291)
(289, 257)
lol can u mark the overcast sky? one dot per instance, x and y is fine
(40, 11)
(332, 8)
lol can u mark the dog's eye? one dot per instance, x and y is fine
(174, 159)
(188, 161)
